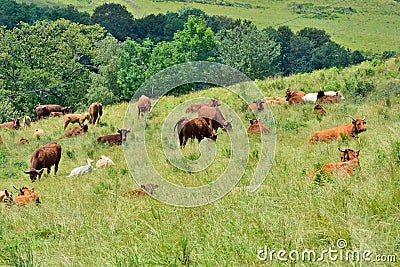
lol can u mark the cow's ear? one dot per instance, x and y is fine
(119, 131)
(143, 186)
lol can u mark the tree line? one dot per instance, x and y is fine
(73, 58)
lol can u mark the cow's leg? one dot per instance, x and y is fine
(48, 170)
(55, 168)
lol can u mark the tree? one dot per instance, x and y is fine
(330, 55)
(316, 36)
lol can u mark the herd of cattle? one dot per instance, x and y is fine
(205, 125)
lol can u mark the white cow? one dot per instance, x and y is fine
(82, 169)
(312, 97)
(104, 161)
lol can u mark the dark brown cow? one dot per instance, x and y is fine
(144, 190)
(76, 130)
(45, 110)
(114, 139)
(256, 126)
(44, 157)
(350, 130)
(196, 128)
(144, 104)
(319, 110)
(256, 106)
(95, 111)
(195, 107)
(322, 98)
(14, 124)
(214, 113)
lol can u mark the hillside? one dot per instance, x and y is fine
(86, 221)
(364, 25)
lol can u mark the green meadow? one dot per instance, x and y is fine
(86, 220)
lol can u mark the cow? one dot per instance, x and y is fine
(256, 106)
(144, 104)
(104, 161)
(95, 111)
(214, 113)
(319, 110)
(26, 196)
(82, 169)
(350, 130)
(256, 126)
(75, 118)
(54, 114)
(43, 158)
(195, 107)
(14, 124)
(294, 96)
(26, 121)
(38, 132)
(274, 100)
(323, 98)
(349, 162)
(22, 141)
(196, 128)
(114, 139)
(45, 110)
(76, 130)
(144, 190)
(312, 97)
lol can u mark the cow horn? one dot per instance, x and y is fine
(39, 171)
(231, 120)
(363, 119)
(350, 117)
(15, 188)
(340, 149)
(27, 172)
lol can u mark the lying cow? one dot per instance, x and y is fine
(22, 141)
(95, 111)
(45, 110)
(312, 97)
(256, 106)
(82, 169)
(54, 114)
(195, 107)
(75, 118)
(144, 104)
(274, 100)
(104, 161)
(144, 190)
(319, 110)
(76, 130)
(256, 126)
(350, 130)
(323, 98)
(196, 128)
(26, 196)
(44, 157)
(38, 132)
(294, 96)
(114, 139)
(14, 124)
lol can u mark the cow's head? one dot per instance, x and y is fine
(149, 188)
(254, 121)
(33, 173)
(227, 125)
(123, 133)
(348, 154)
(16, 123)
(289, 93)
(359, 125)
(259, 104)
(320, 94)
(215, 102)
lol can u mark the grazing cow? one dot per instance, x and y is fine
(27, 121)
(22, 141)
(45, 110)
(38, 132)
(6, 196)
(180, 124)
(74, 118)
(82, 169)
(44, 157)
(323, 98)
(214, 113)
(144, 190)
(144, 104)
(256, 126)
(256, 106)
(274, 100)
(319, 110)
(196, 128)
(350, 130)
(95, 111)
(26, 196)
(295, 96)
(104, 161)
(114, 139)
(14, 124)
(76, 130)
(195, 107)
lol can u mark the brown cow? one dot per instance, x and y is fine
(322, 98)
(319, 110)
(44, 157)
(256, 106)
(144, 104)
(114, 139)
(196, 128)
(294, 96)
(14, 124)
(256, 126)
(54, 114)
(195, 107)
(26, 196)
(95, 111)
(45, 110)
(214, 113)
(75, 118)
(76, 130)
(350, 130)
(144, 190)
(22, 141)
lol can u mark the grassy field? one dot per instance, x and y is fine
(86, 221)
(374, 25)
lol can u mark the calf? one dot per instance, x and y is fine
(256, 126)
(104, 161)
(14, 124)
(319, 110)
(295, 96)
(74, 118)
(350, 130)
(82, 169)
(22, 141)
(196, 128)
(27, 121)
(195, 107)
(95, 111)
(274, 100)
(144, 190)
(56, 114)
(76, 130)
(256, 106)
(114, 139)
(26, 196)
(144, 104)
